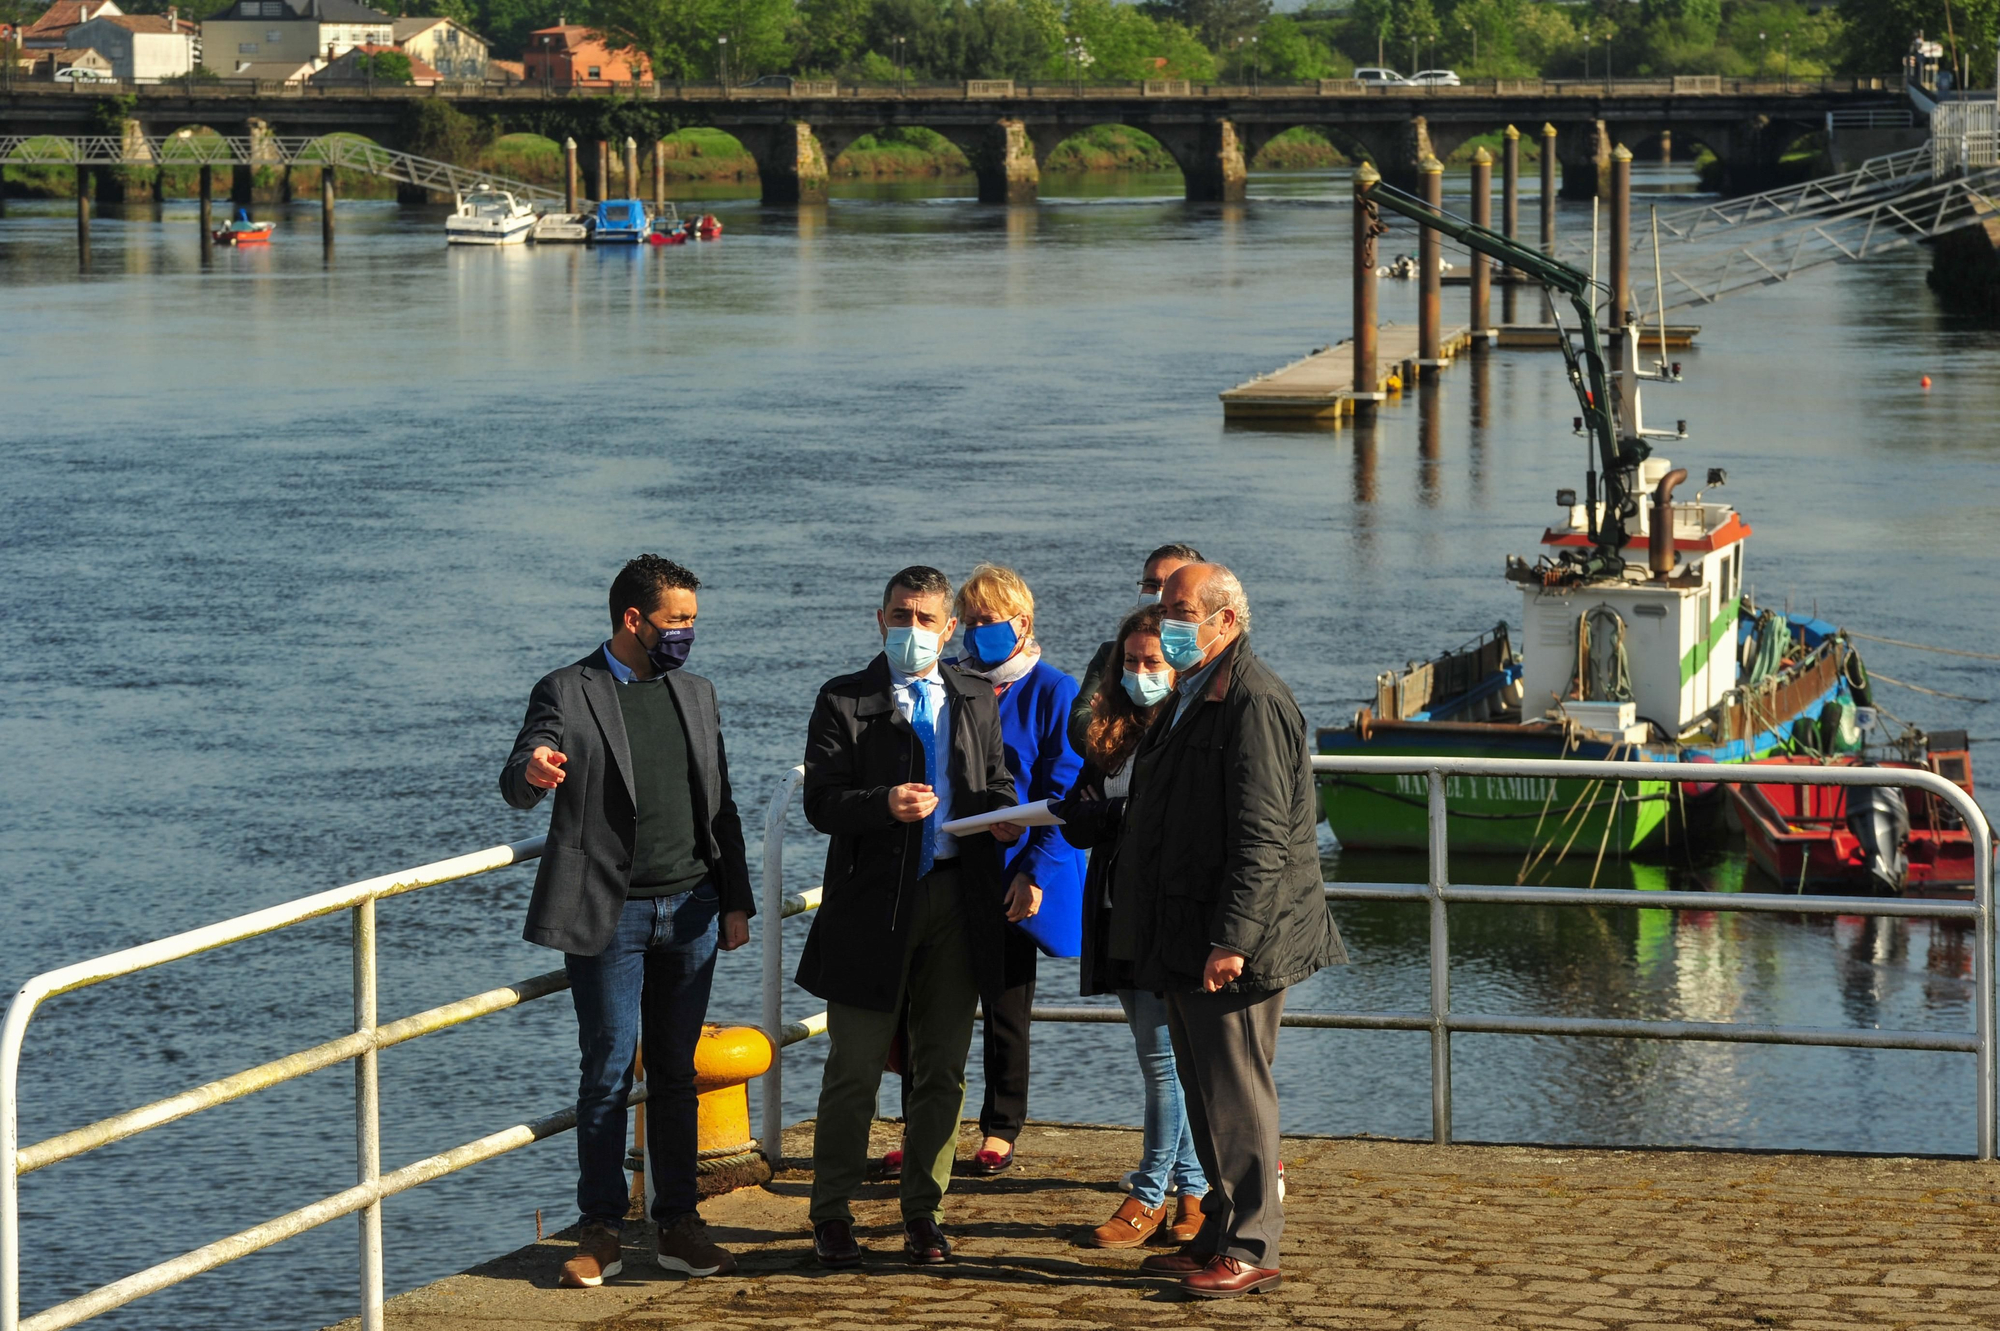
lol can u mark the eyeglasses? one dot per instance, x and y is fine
(1152, 584)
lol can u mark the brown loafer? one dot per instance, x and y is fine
(599, 1256)
(1187, 1220)
(924, 1244)
(1179, 1265)
(1133, 1224)
(1227, 1278)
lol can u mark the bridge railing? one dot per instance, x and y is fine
(1023, 90)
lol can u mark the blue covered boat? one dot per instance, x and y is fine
(621, 222)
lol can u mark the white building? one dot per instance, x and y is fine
(262, 31)
(142, 48)
(456, 52)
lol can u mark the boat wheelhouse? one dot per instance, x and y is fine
(621, 222)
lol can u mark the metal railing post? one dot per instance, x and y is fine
(1440, 968)
(1983, 986)
(10, 1155)
(367, 1117)
(771, 1125)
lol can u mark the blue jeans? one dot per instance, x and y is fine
(1168, 1152)
(659, 964)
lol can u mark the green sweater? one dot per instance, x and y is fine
(666, 857)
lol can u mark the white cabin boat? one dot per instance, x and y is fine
(489, 217)
(561, 228)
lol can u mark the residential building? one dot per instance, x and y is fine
(292, 31)
(142, 48)
(456, 52)
(570, 55)
(48, 64)
(50, 32)
(346, 69)
(290, 73)
(506, 71)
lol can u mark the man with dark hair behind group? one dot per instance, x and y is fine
(1153, 575)
(643, 878)
(911, 921)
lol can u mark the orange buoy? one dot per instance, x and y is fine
(1925, 381)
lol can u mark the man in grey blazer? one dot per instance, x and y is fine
(642, 880)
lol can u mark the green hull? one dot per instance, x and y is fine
(1497, 814)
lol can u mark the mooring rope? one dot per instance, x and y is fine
(1924, 647)
(1918, 688)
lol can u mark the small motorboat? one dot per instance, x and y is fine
(243, 231)
(708, 228)
(489, 217)
(560, 229)
(621, 222)
(1866, 839)
(668, 228)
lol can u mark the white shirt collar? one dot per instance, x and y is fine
(902, 681)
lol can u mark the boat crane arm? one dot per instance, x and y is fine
(1617, 461)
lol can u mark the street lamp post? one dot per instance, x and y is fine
(1586, 55)
(901, 85)
(1475, 44)
(1788, 62)
(1253, 66)
(1763, 61)
(722, 63)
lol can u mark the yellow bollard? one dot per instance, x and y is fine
(724, 1061)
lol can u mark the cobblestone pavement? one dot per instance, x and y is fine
(1388, 1235)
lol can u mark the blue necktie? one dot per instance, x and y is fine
(923, 719)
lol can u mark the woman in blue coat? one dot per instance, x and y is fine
(1043, 872)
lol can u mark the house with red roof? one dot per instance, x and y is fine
(571, 55)
(348, 70)
(142, 48)
(50, 32)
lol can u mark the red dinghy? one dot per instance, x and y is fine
(1863, 839)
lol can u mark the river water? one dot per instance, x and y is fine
(288, 542)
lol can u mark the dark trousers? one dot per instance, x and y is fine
(655, 975)
(1223, 1045)
(1005, 1043)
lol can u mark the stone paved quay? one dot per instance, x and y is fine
(1380, 1234)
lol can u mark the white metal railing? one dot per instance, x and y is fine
(1965, 135)
(361, 1047)
(1440, 893)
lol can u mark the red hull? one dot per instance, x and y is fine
(1799, 835)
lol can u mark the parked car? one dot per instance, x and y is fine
(784, 81)
(1434, 78)
(1387, 78)
(75, 74)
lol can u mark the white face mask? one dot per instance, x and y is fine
(911, 650)
(1149, 598)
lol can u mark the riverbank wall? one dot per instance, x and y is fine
(1400, 1236)
(1965, 269)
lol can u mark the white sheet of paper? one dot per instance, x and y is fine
(1027, 815)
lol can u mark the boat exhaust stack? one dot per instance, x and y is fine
(1660, 542)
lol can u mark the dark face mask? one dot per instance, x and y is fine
(670, 650)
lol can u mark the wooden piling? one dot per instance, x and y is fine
(631, 167)
(569, 175)
(1666, 147)
(207, 210)
(659, 174)
(83, 216)
(1621, 235)
(326, 208)
(1430, 312)
(600, 185)
(1548, 189)
(1510, 188)
(1482, 274)
(1366, 177)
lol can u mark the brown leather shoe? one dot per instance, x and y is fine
(1227, 1278)
(924, 1244)
(1131, 1226)
(1176, 1264)
(834, 1245)
(1187, 1220)
(598, 1258)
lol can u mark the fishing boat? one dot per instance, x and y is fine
(489, 217)
(708, 228)
(1638, 643)
(561, 229)
(621, 222)
(1868, 839)
(242, 231)
(668, 228)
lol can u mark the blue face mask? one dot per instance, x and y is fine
(1149, 598)
(990, 644)
(1148, 690)
(1180, 642)
(670, 651)
(910, 649)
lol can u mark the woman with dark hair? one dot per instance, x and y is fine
(1120, 718)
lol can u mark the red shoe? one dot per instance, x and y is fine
(892, 1164)
(990, 1163)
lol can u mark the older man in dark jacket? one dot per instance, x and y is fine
(1218, 904)
(912, 920)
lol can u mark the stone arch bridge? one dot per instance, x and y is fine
(1211, 133)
